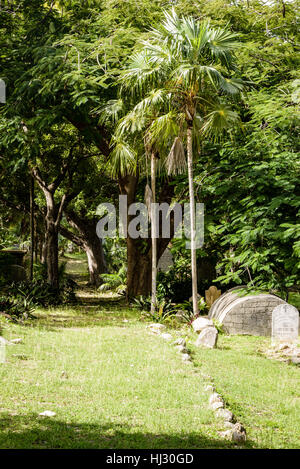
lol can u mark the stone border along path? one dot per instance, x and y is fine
(235, 431)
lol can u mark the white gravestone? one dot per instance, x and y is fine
(285, 324)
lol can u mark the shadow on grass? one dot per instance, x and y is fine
(31, 431)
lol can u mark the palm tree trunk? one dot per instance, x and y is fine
(192, 218)
(153, 235)
(32, 233)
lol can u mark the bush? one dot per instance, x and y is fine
(164, 310)
(16, 309)
(40, 293)
(114, 282)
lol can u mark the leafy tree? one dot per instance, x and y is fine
(183, 57)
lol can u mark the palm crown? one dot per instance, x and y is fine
(179, 82)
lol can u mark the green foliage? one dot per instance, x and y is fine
(164, 310)
(219, 326)
(16, 308)
(115, 282)
(175, 285)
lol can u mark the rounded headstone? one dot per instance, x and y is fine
(244, 313)
(285, 324)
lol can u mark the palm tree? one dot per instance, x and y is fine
(190, 63)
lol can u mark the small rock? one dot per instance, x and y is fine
(64, 375)
(156, 325)
(16, 341)
(238, 437)
(239, 427)
(156, 328)
(215, 397)
(166, 336)
(209, 388)
(225, 414)
(229, 425)
(201, 323)
(217, 405)
(295, 360)
(208, 338)
(234, 435)
(227, 434)
(47, 413)
(180, 342)
(181, 349)
(185, 357)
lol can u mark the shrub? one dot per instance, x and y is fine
(114, 282)
(16, 309)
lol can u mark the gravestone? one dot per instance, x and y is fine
(285, 324)
(208, 338)
(241, 312)
(211, 295)
(165, 261)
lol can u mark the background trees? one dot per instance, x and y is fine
(62, 64)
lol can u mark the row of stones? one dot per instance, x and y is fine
(235, 431)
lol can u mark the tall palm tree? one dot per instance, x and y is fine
(193, 66)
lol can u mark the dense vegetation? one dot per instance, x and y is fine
(81, 124)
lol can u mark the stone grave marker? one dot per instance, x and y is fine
(208, 337)
(165, 261)
(211, 295)
(285, 324)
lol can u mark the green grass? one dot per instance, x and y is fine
(125, 388)
(263, 394)
(128, 389)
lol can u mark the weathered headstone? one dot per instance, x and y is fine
(208, 337)
(211, 295)
(244, 313)
(165, 261)
(285, 324)
(201, 323)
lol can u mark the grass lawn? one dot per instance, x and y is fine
(263, 394)
(113, 385)
(121, 386)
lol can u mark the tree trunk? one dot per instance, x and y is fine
(88, 240)
(139, 258)
(52, 256)
(32, 232)
(138, 270)
(192, 218)
(96, 262)
(153, 235)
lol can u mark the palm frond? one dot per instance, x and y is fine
(176, 161)
(220, 120)
(112, 111)
(123, 160)
(141, 72)
(162, 128)
(133, 122)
